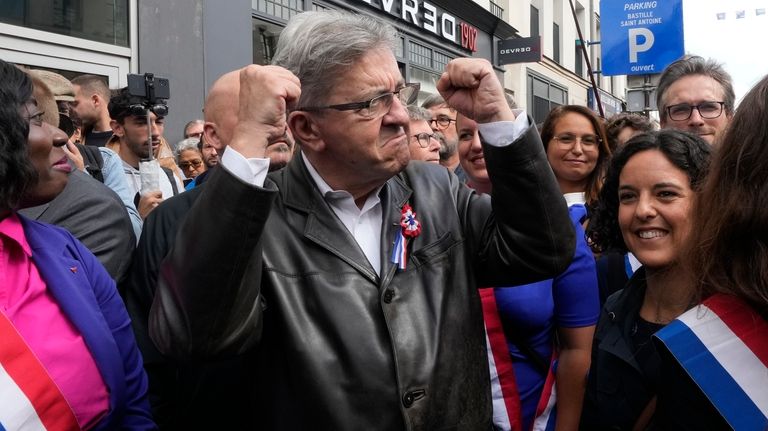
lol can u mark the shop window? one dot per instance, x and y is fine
(98, 20)
(426, 57)
(420, 54)
(441, 60)
(282, 9)
(543, 96)
(427, 79)
(400, 48)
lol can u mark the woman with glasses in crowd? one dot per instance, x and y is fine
(577, 149)
(423, 144)
(190, 158)
(713, 357)
(539, 334)
(68, 355)
(644, 207)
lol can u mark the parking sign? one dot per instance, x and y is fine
(640, 37)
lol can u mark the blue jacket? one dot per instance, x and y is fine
(87, 295)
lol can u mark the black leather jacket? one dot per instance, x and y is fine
(340, 347)
(617, 388)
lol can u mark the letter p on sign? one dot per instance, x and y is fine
(634, 42)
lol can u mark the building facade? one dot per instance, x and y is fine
(562, 76)
(193, 42)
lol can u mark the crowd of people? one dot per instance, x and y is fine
(322, 251)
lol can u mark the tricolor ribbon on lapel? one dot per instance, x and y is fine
(29, 399)
(410, 228)
(721, 344)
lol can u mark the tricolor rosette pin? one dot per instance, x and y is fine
(410, 228)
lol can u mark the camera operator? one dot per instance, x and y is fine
(131, 141)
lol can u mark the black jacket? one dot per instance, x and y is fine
(617, 388)
(272, 270)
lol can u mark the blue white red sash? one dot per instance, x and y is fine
(507, 414)
(29, 399)
(546, 411)
(506, 400)
(723, 346)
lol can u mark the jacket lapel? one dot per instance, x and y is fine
(396, 194)
(625, 311)
(65, 277)
(321, 226)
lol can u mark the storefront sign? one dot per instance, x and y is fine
(425, 15)
(520, 50)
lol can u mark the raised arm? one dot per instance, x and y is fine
(530, 236)
(208, 300)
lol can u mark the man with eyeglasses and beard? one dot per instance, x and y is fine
(349, 276)
(696, 95)
(443, 121)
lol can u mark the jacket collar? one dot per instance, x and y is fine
(321, 226)
(622, 309)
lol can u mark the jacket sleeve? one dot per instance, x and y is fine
(225, 284)
(529, 236)
(114, 178)
(133, 412)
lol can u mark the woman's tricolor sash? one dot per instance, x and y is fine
(29, 399)
(723, 346)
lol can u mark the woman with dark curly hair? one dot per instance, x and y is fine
(644, 207)
(67, 353)
(714, 357)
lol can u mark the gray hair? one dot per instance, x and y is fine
(433, 100)
(418, 113)
(190, 124)
(695, 65)
(185, 145)
(318, 47)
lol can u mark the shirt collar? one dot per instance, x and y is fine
(11, 228)
(336, 195)
(575, 198)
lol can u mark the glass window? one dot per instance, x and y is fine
(428, 81)
(534, 21)
(400, 47)
(265, 37)
(579, 69)
(441, 60)
(543, 96)
(420, 54)
(98, 20)
(556, 42)
(282, 9)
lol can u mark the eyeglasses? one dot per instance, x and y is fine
(191, 164)
(568, 140)
(683, 111)
(441, 122)
(376, 107)
(424, 139)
